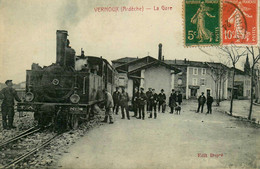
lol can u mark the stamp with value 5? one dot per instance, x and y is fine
(202, 22)
(239, 19)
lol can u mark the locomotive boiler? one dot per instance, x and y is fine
(66, 91)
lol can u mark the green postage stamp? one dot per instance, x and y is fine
(202, 22)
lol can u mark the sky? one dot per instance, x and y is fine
(28, 32)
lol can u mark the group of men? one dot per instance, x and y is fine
(140, 98)
(202, 100)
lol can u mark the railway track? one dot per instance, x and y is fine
(26, 155)
(19, 136)
(18, 158)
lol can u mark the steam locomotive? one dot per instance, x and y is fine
(66, 91)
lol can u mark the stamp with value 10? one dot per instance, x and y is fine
(239, 19)
(202, 22)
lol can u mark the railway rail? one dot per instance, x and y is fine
(34, 150)
(22, 135)
(19, 136)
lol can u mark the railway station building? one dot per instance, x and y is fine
(146, 72)
(189, 77)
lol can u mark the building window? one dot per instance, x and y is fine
(195, 71)
(203, 71)
(202, 82)
(194, 81)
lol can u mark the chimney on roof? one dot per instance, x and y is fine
(185, 60)
(160, 52)
(175, 61)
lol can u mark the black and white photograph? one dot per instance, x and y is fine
(129, 84)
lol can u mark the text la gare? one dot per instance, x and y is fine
(164, 8)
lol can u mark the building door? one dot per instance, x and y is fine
(193, 93)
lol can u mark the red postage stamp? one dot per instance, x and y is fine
(239, 19)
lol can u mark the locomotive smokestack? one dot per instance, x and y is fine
(160, 52)
(61, 38)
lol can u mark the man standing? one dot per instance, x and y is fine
(172, 101)
(141, 102)
(201, 100)
(179, 98)
(209, 103)
(153, 104)
(108, 106)
(116, 100)
(161, 100)
(8, 95)
(135, 101)
(123, 98)
(148, 96)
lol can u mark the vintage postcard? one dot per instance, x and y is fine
(129, 84)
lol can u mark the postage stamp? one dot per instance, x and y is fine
(239, 22)
(202, 22)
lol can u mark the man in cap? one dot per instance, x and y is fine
(201, 101)
(109, 104)
(153, 104)
(116, 100)
(149, 102)
(8, 95)
(124, 98)
(209, 103)
(141, 102)
(172, 101)
(179, 98)
(135, 101)
(161, 100)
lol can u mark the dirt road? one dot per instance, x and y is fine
(171, 141)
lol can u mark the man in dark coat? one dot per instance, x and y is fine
(141, 102)
(124, 98)
(172, 101)
(209, 103)
(148, 103)
(161, 100)
(8, 95)
(201, 101)
(135, 101)
(179, 98)
(153, 104)
(116, 100)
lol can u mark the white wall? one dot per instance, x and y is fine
(158, 77)
(129, 89)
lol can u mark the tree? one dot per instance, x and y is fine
(219, 75)
(255, 60)
(234, 53)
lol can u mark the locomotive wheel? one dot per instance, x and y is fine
(74, 121)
